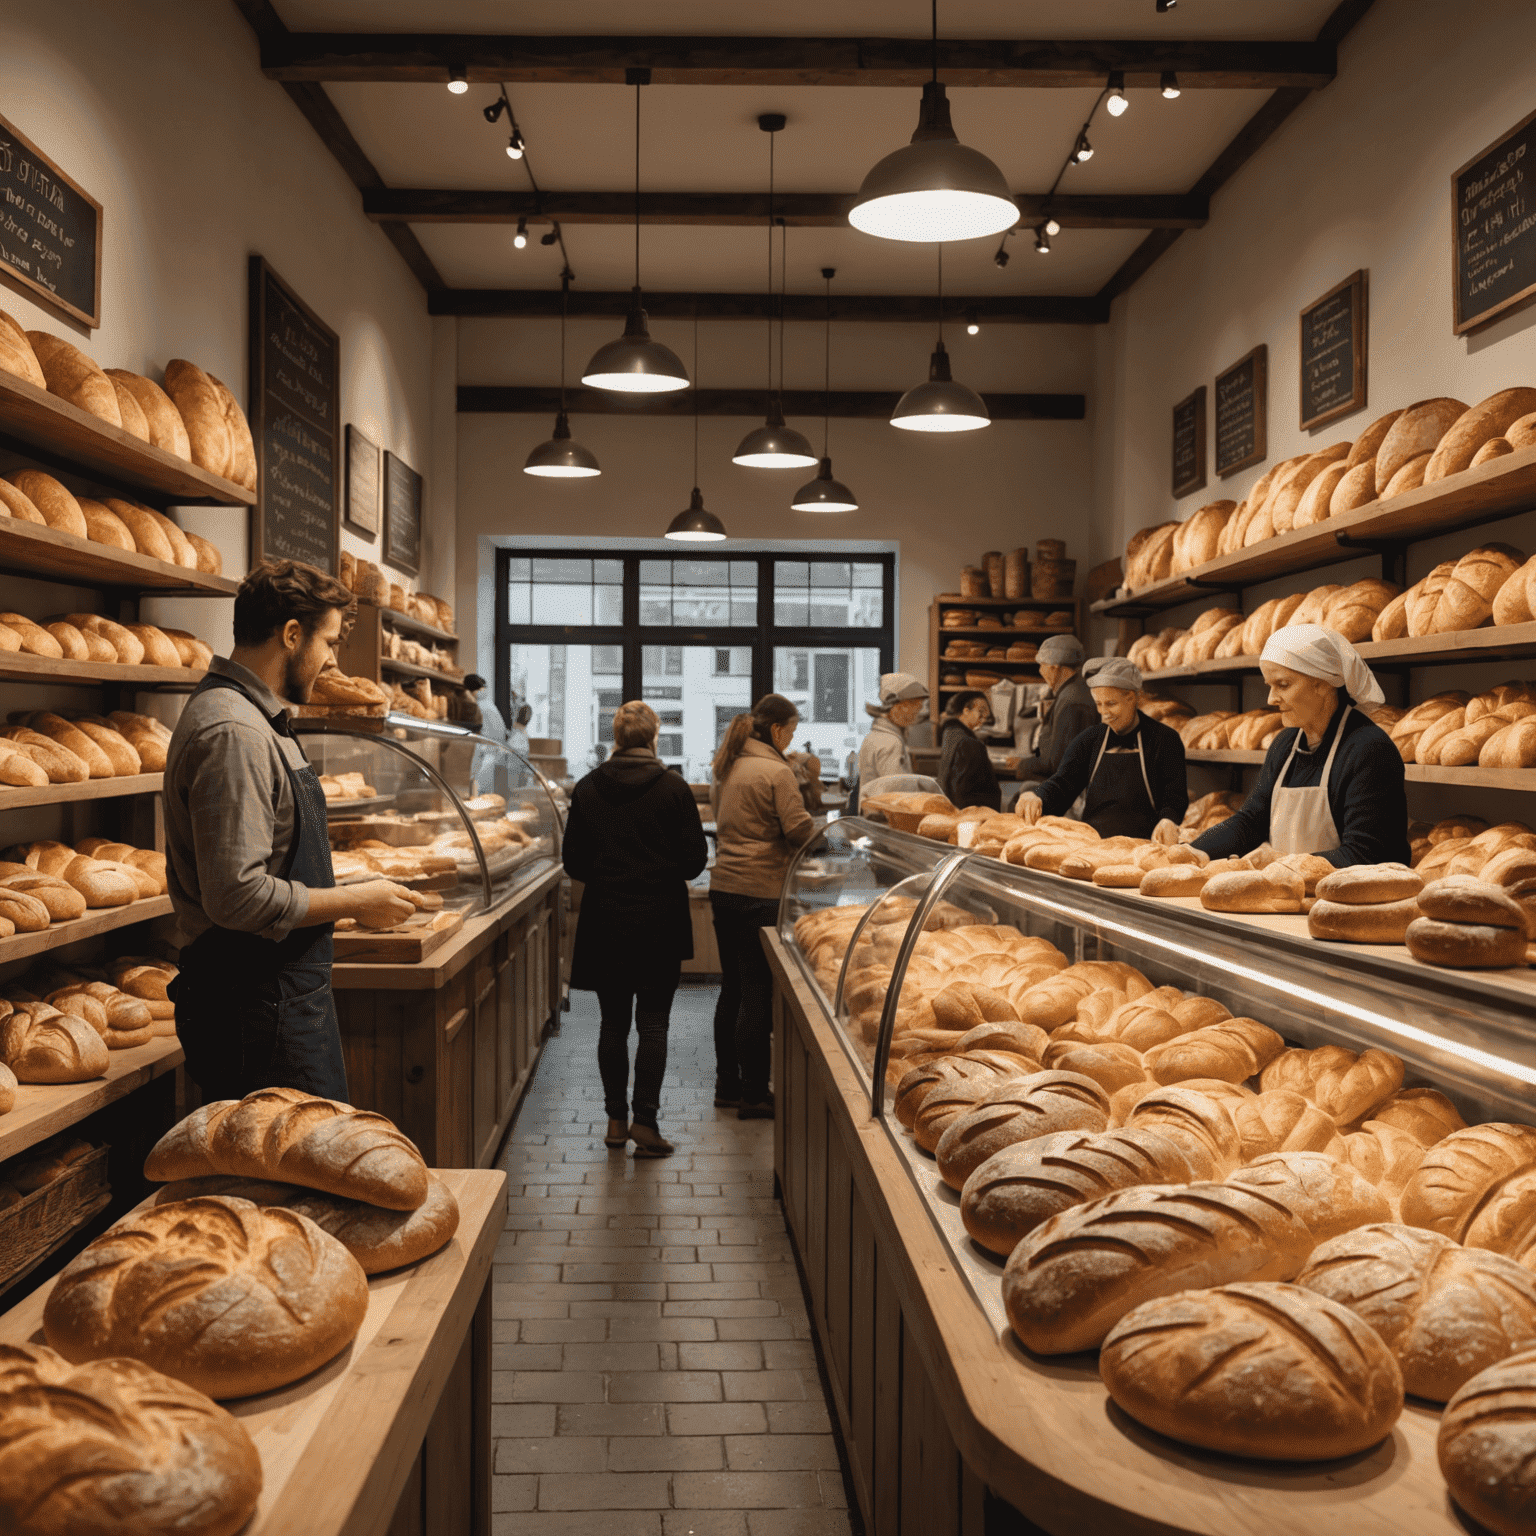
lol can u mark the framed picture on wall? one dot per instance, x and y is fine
(1242, 413)
(362, 503)
(1333, 353)
(1493, 236)
(1189, 443)
(402, 515)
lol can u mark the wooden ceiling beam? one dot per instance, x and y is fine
(824, 210)
(544, 400)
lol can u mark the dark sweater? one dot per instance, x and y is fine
(1365, 795)
(1163, 753)
(965, 771)
(1071, 713)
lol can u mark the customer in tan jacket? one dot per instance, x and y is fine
(760, 820)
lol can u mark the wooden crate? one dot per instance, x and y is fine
(32, 1229)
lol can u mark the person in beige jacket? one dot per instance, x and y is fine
(760, 820)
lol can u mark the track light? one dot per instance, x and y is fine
(1165, 5)
(1052, 227)
(1170, 85)
(515, 144)
(972, 324)
(1042, 241)
(458, 80)
(552, 238)
(492, 113)
(1117, 102)
(520, 239)
(1001, 258)
(1082, 151)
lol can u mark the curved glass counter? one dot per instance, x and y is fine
(434, 807)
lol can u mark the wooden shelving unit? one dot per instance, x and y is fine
(28, 549)
(406, 625)
(99, 920)
(1016, 671)
(18, 667)
(1415, 773)
(17, 799)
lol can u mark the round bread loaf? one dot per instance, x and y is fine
(1424, 1113)
(1466, 899)
(1070, 1280)
(965, 1004)
(236, 1298)
(1446, 1312)
(1019, 1111)
(114, 1448)
(1026, 1040)
(1368, 885)
(1264, 1370)
(1341, 922)
(1487, 1446)
(1465, 946)
(42, 1045)
(971, 1076)
(1327, 1196)
(1461, 1177)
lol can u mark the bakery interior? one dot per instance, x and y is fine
(1113, 1182)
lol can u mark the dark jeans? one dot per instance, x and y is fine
(744, 1013)
(649, 997)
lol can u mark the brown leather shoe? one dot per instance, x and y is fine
(649, 1142)
(617, 1135)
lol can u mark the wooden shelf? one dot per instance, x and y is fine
(410, 669)
(954, 600)
(29, 549)
(37, 422)
(19, 667)
(97, 920)
(92, 789)
(1415, 773)
(44, 1109)
(1497, 489)
(409, 626)
(1056, 629)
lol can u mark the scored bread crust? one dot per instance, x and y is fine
(1326, 1195)
(1031, 1107)
(1460, 1175)
(1344, 1085)
(1487, 1445)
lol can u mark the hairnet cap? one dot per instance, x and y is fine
(896, 686)
(1113, 672)
(1061, 651)
(1326, 655)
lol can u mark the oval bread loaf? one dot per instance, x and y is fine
(74, 377)
(1416, 433)
(15, 502)
(1343, 1084)
(16, 354)
(57, 504)
(202, 410)
(1487, 1445)
(1326, 1195)
(1465, 946)
(1022, 1111)
(1345, 923)
(1474, 427)
(163, 420)
(1463, 1176)
(41, 1045)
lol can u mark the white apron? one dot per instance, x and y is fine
(1300, 820)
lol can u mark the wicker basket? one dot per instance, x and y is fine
(43, 1219)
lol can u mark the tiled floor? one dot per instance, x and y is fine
(652, 1351)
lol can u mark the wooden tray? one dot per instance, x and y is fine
(32, 1229)
(413, 940)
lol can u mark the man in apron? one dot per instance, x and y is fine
(1129, 768)
(248, 857)
(1332, 782)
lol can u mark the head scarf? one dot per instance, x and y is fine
(894, 687)
(1327, 655)
(1061, 651)
(1113, 672)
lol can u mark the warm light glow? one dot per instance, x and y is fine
(1170, 85)
(775, 461)
(824, 506)
(561, 471)
(515, 145)
(634, 383)
(1083, 153)
(1117, 103)
(1052, 227)
(458, 80)
(944, 423)
(928, 217)
(694, 536)
(520, 239)
(1042, 244)
(972, 329)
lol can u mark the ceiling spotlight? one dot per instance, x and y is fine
(1001, 258)
(1165, 5)
(1170, 84)
(520, 239)
(515, 144)
(1043, 241)
(1082, 151)
(493, 112)
(458, 80)
(972, 324)
(552, 238)
(1052, 227)
(1117, 102)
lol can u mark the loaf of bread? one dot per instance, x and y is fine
(74, 377)
(41, 1045)
(16, 354)
(1270, 1371)
(1465, 946)
(1069, 1281)
(1326, 1195)
(1487, 1445)
(1386, 1156)
(236, 1298)
(1024, 1110)
(1477, 1187)
(1344, 1085)
(1276, 888)
(62, 901)
(1353, 923)
(202, 411)
(280, 1133)
(163, 421)
(1475, 427)
(1415, 434)
(1229, 1051)
(242, 451)
(956, 1094)
(114, 1446)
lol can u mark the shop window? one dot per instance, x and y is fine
(734, 661)
(670, 744)
(560, 590)
(607, 661)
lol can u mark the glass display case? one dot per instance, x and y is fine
(434, 807)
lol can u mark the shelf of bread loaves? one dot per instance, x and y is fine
(1431, 468)
(418, 612)
(187, 440)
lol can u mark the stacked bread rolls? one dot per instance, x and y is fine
(372, 585)
(38, 747)
(335, 693)
(1454, 729)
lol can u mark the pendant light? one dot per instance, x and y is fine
(940, 405)
(696, 524)
(560, 458)
(824, 494)
(934, 188)
(635, 364)
(773, 445)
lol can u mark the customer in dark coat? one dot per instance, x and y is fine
(634, 839)
(965, 770)
(1067, 711)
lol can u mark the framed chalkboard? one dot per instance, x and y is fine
(295, 384)
(1334, 341)
(362, 504)
(1493, 229)
(50, 232)
(1189, 443)
(1242, 413)
(402, 515)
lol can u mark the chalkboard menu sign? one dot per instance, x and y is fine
(1333, 351)
(402, 515)
(1242, 413)
(1493, 229)
(50, 232)
(295, 379)
(362, 483)
(1189, 443)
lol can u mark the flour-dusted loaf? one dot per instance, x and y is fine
(114, 1448)
(1070, 1280)
(1326, 1195)
(1478, 1187)
(283, 1134)
(230, 1297)
(1487, 1446)
(1030, 1107)
(42, 1045)
(1343, 1084)
(1271, 1371)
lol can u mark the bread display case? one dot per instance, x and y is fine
(894, 953)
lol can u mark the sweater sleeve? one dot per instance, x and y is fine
(1243, 832)
(1071, 779)
(1369, 801)
(1170, 778)
(794, 820)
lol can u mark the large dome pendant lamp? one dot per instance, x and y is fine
(934, 188)
(824, 494)
(635, 364)
(940, 405)
(560, 458)
(696, 524)
(773, 445)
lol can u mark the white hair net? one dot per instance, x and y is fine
(1325, 654)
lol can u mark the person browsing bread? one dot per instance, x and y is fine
(1065, 713)
(884, 751)
(1129, 768)
(1332, 780)
(248, 859)
(965, 770)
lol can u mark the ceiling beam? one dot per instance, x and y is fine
(544, 400)
(824, 210)
(544, 304)
(491, 59)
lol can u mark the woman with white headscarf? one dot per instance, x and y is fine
(1332, 782)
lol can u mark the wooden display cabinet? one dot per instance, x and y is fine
(939, 691)
(362, 653)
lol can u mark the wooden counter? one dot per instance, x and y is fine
(947, 1420)
(394, 1435)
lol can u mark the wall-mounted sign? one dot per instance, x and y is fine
(362, 503)
(295, 387)
(1333, 353)
(50, 232)
(1242, 413)
(1493, 229)
(402, 515)
(1189, 443)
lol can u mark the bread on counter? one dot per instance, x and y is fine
(1487, 1445)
